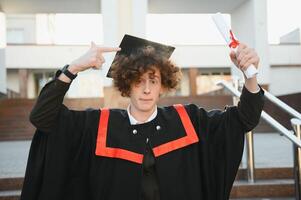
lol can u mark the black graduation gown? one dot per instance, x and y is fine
(62, 164)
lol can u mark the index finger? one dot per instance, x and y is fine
(109, 49)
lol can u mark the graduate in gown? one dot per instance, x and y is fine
(145, 152)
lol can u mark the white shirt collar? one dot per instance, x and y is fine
(133, 121)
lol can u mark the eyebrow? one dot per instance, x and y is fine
(153, 76)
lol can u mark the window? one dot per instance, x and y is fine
(15, 36)
(69, 29)
(40, 79)
(184, 29)
(206, 81)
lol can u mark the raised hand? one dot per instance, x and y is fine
(93, 58)
(244, 57)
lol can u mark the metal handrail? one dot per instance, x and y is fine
(282, 105)
(294, 136)
(249, 137)
(296, 124)
(287, 133)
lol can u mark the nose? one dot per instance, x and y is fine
(146, 89)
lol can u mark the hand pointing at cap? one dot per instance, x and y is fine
(93, 58)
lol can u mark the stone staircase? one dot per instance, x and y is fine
(271, 183)
(14, 122)
(10, 188)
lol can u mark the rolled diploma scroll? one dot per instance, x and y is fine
(233, 43)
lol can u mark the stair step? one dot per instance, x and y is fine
(264, 182)
(242, 190)
(264, 199)
(10, 195)
(263, 189)
(267, 173)
(16, 137)
(11, 184)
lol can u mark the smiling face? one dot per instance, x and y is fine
(145, 92)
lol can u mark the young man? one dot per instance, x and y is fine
(145, 152)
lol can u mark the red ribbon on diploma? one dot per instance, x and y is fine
(234, 43)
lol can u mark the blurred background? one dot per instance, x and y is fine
(38, 37)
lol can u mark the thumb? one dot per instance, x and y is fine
(233, 56)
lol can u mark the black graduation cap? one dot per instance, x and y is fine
(131, 44)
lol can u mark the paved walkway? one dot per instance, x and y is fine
(271, 150)
(13, 158)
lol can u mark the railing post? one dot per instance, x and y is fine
(296, 124)
(238, 84)
(250, 156)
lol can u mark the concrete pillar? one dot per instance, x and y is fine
(249, 23)
(120, 17)
(23, 81)
(2, 53)
(193, 73)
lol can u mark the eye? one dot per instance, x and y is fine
(153, 81)
(138, 82)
